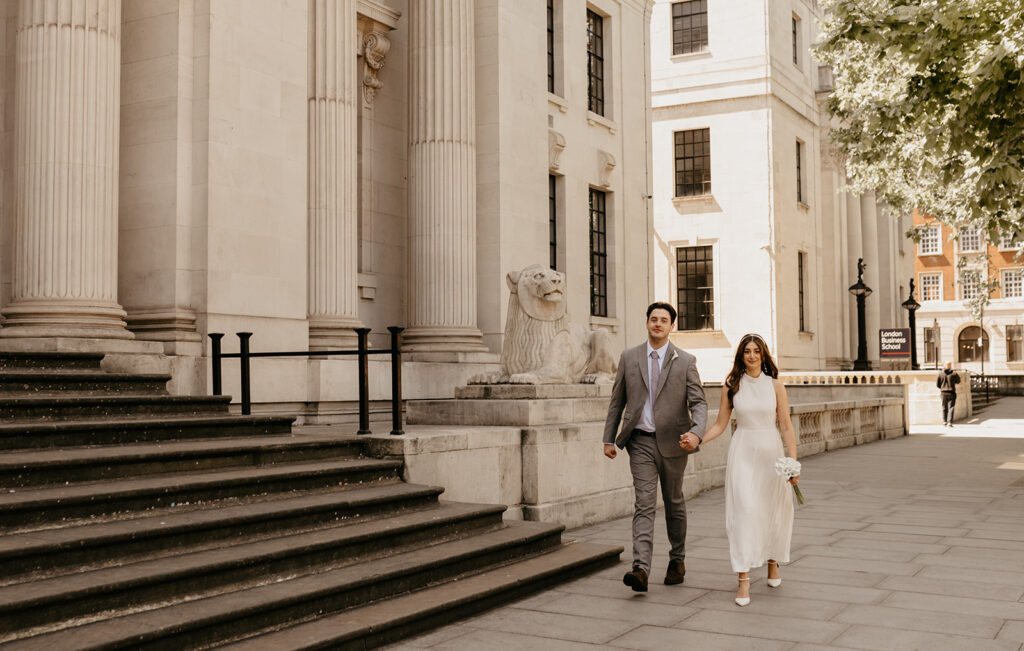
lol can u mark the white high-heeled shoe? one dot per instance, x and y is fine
(774, 583)
(742, 601)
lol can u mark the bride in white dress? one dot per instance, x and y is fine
(758, 503)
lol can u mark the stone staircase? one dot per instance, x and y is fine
(133, 519)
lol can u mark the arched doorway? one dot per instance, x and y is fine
(968, 346)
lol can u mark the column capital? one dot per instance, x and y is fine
(374, 22)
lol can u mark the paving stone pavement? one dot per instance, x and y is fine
(912, 543)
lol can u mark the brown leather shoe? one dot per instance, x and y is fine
(637, 579)
(676, 572)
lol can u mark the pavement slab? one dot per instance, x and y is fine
(912, 543)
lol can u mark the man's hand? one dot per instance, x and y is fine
(689, 441)
(610, 451)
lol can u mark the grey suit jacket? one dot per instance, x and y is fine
(679, 404)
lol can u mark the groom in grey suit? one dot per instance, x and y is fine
(659, 399)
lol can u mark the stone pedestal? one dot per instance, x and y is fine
(67, 119)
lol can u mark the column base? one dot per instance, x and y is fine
(430, 339)
(333, 334)
(164, 324)
(70, 318)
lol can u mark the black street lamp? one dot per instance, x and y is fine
(911, 306)
(861, 291)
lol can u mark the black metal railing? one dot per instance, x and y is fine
(362, 353)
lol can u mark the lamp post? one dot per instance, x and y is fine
(861, 291)
(911, 306)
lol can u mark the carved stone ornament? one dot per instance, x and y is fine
(541, 346)
(556, 143)
(375, 50)
(605, 165)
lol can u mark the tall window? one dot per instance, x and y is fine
(931, 286)
(930, 243)
(800, 172)
(931, 345)
(972, 344)
(595, 62)
(970, 240)
(1012, 283)
(689, 26)
(695, 288)
(693, 162)
(598, 254)
(796, 41)
(968, 286)
(1015, 343)
(800, 266)
(1009, 242)
(552, 221)
(551, 46)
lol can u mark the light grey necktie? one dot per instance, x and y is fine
(655, 375)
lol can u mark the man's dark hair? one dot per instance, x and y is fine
(659, 305)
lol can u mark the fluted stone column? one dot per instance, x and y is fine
(333, 176)
(855, 250)
(67, 120)
(869, 228)
(442, 179)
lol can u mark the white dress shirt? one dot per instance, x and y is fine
(646, 421)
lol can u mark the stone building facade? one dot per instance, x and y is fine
(300, 168)
(752, 231)
(946, 328)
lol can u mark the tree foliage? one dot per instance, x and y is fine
(929, 100)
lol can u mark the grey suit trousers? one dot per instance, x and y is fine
(648, 467)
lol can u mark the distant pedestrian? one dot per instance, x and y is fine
(946, 383)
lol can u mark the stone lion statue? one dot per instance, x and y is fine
(541, 346)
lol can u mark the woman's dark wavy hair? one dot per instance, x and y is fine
(768, 367)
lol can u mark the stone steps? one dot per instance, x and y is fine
(51, 361)
(21, 382)
(65, 407)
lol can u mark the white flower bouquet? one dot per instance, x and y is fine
(787, 467)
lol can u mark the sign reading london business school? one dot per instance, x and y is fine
(894, 342)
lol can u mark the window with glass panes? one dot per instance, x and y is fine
(598, 254)
(972, 344)
(1015, 343)
(551, 46)
(968, 286)
(970, 240)
(931, 286)
(800, 171)
(552, 221)
(931, 345)
(695, 288)
(595, 62)
(693, 162)
(796, 40)
(800, 266)
(1009, 242)
(930, 243)
(689, 26)
(1012, 283)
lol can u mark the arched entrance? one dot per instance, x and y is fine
(969, 348)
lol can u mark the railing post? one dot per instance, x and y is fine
(243, 365)
(364, 389)
(215, 338)
(396, 380)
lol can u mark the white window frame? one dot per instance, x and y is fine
(1019, 282)
(961, 286)
(920, 283)
(1006, 243)
(972, 233)
(935, 229)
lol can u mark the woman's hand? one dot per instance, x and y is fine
(794, 480)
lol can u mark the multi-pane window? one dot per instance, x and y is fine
(1012, 283)
(1009, 242)
(930, 243)
(972, 344)
(689, 26)
(970, 240)
(1015, 343)
(552, 221)
(598, 254)
(800, 172)
(551, 46)
(796, 41)
(931, 345)
(801, 265)
(695, 288)
(693, 162)
(931, 286)
(595, 62)
(968, 286)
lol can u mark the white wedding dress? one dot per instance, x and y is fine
(758, 502)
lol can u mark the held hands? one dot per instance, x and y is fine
(610, 451)
(794, 480)
(689, 441)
